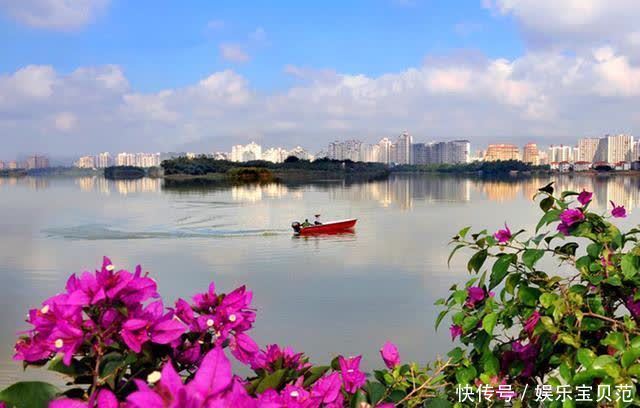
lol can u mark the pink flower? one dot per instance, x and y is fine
(326, 391)
(352, 377)
(274, 357)
(151, 325)
(475, 294)
(455, 331)
(503, 235)
(102, 399)
(390, 355)
(585, 197)
(563, 228)
(633, 306)
(243, 348)
(618, 211)
(531, 322)
(571, 216)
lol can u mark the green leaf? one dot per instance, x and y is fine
(500, 269)
(272, 381)
(629, 357)
(528, 295)
(602, 361)
(466, 375)
(441, 316)
(29, 394)
(615, 340)
(548, 217)
(531, 256)
(476, 261)
(593, 250)
(358, 400)
(547, 189)
(629, 265)
(489, 322)
(453, 253)
(547, 203)
(438, 403)
(74, 369)
(586, 357)
(375, 391)
(314, 374)
(463, 232)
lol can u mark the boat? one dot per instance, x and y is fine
(332, 227)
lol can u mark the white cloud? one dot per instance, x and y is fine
(54, 14)
(65, 121)
(571, 23)
(545, 95)
(233, 53)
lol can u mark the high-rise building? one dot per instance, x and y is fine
(37, 162)
(636, 150)
(587, 149)
(275, 154)
(530, 154)
(497, 152)
(560, 153)
(103, 160)
(403, 149)
(459, 151)
(384, 153)
(13, 165)
(619, 148)
(86, 162)
(2, 165)
(300, 153)
(244, 153)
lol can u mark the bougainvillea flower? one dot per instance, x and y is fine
(326, 391)
(531, 322)
(66, 339)
(503, 235)
(295, 396)
(618, 211)
(184, 311)
(206, 300)
(390, 355)
(275, 357)
(455, 331)
(151, 325)
(352, 377)
(633, 306)
(585, 197)
(571, 216)
(243, 348)
(105, 399)
(563, 228)
(526, 354)
(475, 294)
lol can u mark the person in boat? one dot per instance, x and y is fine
(317, 221)
(306, 223)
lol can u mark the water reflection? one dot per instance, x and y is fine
(399, 191)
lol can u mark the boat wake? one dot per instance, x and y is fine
(92, 232)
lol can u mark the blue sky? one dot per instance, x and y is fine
(164, 44)
(94, 75)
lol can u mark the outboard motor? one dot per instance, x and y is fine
(296, 226)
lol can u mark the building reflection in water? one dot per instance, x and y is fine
(254, 192)
(122, 187)
(34, 183)
(401, 191)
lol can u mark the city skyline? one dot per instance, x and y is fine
(94, 76)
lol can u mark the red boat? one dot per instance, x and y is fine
(326, 228)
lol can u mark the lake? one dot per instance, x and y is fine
(322, 295)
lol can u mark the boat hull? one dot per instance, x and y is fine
(329, 228)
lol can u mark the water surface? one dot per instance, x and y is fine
(322, 295)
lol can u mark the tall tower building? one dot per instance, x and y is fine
(403, 149)
(530, 154)
(497, 152)
(619, 148)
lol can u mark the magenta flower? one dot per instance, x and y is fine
(455, 331)
(326, 391)
(151, 325)
(352, 377)
(633, 306)
(563, 229)
(585, 197)
(274, 357)
(211, 386)
(618, 211)
(571, 216)
(503, 235)
(206, 300)
(243, 348)
(390, 355)
(102, 399)
(531, 322)
(526, 354)
(475, 295)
